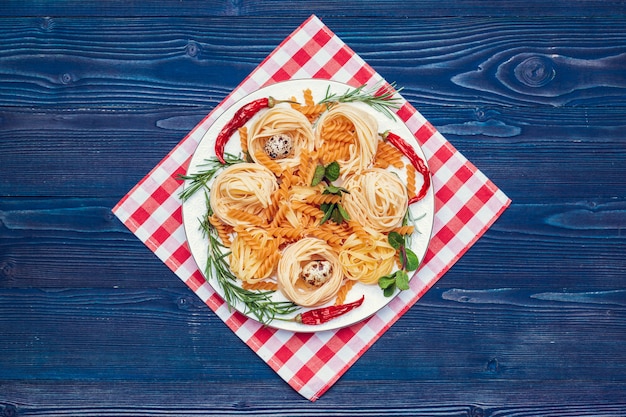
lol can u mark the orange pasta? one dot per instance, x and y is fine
(243, 139)
(260, 286)
(223, 230)
(246, 217)
(323, 199)
(404, 230)
(343, 291)
(263, 159)
(389, 154)
(308, 97)
(410, 180)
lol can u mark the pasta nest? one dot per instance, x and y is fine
(253, 254)
(377, 199)
(361, 147)
(367, 261)
(275, 121)
(294, 258)
(241, 193)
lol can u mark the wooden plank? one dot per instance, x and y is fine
(183, 398)
(454, 348)
(68, 243)
(529, 322)
(82, 64)
(361, 8)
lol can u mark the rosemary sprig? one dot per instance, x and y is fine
(257, 303)
(200, 179)
(377, 97)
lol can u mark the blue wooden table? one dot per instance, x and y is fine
(530, 322)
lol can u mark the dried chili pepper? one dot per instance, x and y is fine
(416, 161)
(241, 117)
(322, 315)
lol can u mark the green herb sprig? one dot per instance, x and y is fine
(257, 303)
(408, 262)
(379, 98)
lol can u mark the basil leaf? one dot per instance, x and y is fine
(333, 189)
(343, 212)
(412, 261)
(388, 292)
(318, 176)
(386, 280)
(336, 216)
(328, 211)
(332, 171)
(402, 280)
(396, 240)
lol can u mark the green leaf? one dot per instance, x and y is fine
(327, 213)
(396, 240)
(332, 171)
(318, 176)
(333, 189)
(336, 216)
(343, 212)
(388, 292)
(386, 280)
(412, 261)
(402, 280)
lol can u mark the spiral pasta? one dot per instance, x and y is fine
(362, 149)
(253, 254)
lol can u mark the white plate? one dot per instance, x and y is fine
(195, 207)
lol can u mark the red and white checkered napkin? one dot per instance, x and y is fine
(466, 201)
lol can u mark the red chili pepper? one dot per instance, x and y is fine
(416, 161)
(322, 315)
(241, 117)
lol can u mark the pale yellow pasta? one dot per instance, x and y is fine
(377, 199)
(249, 263)
(276, 121)
(366, 263)
(293, 260)
(362, 151)
(244, 187)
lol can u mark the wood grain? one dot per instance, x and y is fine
(273, 8)
(529, 322)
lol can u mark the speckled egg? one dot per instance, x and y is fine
(316, 273)
(278, 146)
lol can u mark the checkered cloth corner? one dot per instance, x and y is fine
(466, 202)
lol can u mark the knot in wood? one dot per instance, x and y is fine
(192, 49)
(9, 411)
(477, 412)
(535, 71)
(66, 78)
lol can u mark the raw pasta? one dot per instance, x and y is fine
(276, 121)
(294, 258)
(242, 188)
(363, 148)
(270, 216)
(367, 261)
(377, 199)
